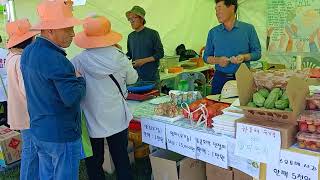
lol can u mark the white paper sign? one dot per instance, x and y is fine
(245, 165)
(211, 149)
(181, 140)
(294, 166)
(154, 133)
(79, 2)
(258, 143)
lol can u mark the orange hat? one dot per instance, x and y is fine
(97, 33)
(55, 14)
(19, 31)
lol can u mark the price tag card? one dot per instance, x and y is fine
(294, 166)
(153, 133)
(211, 149)
(181, 140)
(258, 143)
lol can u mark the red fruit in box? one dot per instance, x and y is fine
(311, 105)
(303, 127)
(313, 147)
(307, 143)
(312, 128)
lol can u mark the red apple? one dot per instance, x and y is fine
(312, 128)
(303, 127)
(313, 147)
(311, 105)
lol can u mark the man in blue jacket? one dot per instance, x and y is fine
(53, 91)
(229, 44)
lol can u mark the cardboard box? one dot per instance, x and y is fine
(239, 175)
(297, 89)
(108, 165)
(167, 165)
(10, 146)
(288, 132)
(313, 81)
(217, 173)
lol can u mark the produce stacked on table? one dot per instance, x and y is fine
(313, 102)
(203, 110)
(275, 99)
(309, 125)
(172, 108)
(169, 109)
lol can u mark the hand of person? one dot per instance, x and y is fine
(269, 31)
(294, 28)
(78, 74)
(238, 59)
(272, 47)
(300, 45)
(318, 36)
(312, 36)
(138, 63)
(288, 31)
(282, 42)
(223, 61)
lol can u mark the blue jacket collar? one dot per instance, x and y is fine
(236, 25)
(52, 45)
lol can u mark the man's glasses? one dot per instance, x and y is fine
(132, 19)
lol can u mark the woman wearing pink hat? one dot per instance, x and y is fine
(20, 36)
(107, 71)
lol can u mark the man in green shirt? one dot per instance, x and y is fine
(144, 46)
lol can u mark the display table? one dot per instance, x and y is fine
(144, 111)
(164, 76)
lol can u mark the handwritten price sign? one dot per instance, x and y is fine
(258, 143)
(153, 133)
(294, 166)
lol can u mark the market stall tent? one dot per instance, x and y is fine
(178, 21)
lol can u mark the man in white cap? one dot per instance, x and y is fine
(54, 91)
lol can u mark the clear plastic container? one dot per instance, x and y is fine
(309, 122)
(309, 141)
(313, 102)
